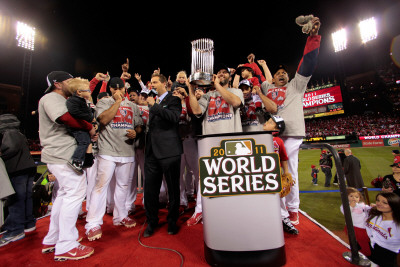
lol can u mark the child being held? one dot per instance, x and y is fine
(247, 74)
(314, 174)
(79, 107)
(358, 215)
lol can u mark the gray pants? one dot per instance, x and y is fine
(328, 176)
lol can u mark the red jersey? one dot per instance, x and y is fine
(279, 148)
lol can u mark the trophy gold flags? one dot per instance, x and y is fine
(202, 62)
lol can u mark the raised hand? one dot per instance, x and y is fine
(316, 25)
(251, 58)
(125, 76)
(125, 66)
(100, 76)
(261, 62)
(157, 71)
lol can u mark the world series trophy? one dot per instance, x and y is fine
(202, 62)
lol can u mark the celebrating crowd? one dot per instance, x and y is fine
(95, 151)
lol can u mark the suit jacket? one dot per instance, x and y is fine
(162, 137)
(352, 167)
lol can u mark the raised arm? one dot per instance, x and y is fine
(194, 104)
(269, 104)
(267, 72)
(106, 116)
(310, 55)
(229, 97)
(236, 80)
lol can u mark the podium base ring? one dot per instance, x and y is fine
(270, 257)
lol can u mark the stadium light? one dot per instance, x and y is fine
(339, 39)
(368, 30)
(25, 36)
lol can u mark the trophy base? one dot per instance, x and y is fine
(201, 78)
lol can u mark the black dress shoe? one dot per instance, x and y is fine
(173, 229)
(148, 232)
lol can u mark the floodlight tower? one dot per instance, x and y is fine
(368, 30)
(339, 39)
(25, 38)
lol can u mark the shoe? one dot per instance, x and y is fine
(127, 222)
(5, 240)
(82, 215)
(191, 198)
(76, 166)
(182, 209)
(31, 229)
(196, 217)
(288, 227)
(50, 248)
(78, 253)
(335, 183)
(94, 233)
(173, 229)
(315, 184)
(148, 232)
(294, 217)
(132, 210)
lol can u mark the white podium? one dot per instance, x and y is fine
(240, 183)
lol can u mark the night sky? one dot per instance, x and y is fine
(85, 37)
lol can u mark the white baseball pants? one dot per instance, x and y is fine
(64, 213)
(106, 169)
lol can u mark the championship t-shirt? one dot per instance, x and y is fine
(289, 99)
(112, 139)
(219, 116)
(251, 122)
(58, 145)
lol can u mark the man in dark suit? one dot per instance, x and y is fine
(352, 170)
(162, 155)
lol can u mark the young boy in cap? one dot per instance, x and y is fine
(251, 120)
(277, 125)
(314, 174)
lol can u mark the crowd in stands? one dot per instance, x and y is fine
(356, 125)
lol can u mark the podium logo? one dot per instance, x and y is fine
(238, 148)
(239, 167)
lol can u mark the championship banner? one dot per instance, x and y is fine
(372, 137)
(239, 167)
(322, 97)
